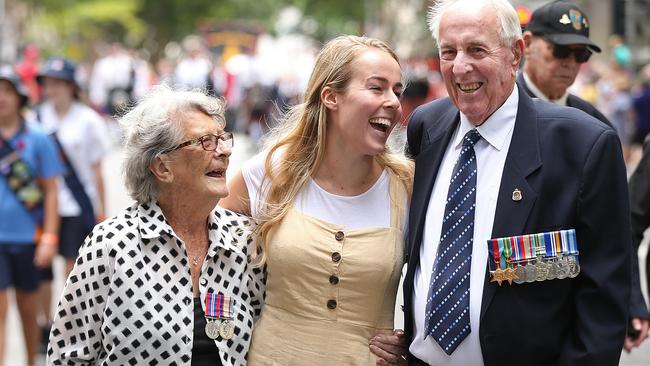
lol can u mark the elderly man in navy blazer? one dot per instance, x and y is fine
(518, 245)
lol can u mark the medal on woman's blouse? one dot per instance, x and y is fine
(219, 307)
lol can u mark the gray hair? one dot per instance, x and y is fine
(155, 126)
(510, 29)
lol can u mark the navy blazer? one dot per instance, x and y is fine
(570, 171)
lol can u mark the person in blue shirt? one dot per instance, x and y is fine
(29, 222)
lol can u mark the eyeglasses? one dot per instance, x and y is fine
(210, 142)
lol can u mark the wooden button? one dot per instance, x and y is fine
(331, 304)
(336, 257)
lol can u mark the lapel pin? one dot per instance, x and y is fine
(516, 195)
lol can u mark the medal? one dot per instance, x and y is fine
(226, 329)
(552, 271)
(212, 329)
(563, 268)
(219, 306)
(541, 271)
(574, 267)
(520, 274)
(531, 272)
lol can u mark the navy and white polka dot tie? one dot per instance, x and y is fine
(447, 313)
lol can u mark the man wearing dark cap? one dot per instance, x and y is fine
(556, 43)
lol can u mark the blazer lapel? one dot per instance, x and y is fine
(427, 164)
(523, 158)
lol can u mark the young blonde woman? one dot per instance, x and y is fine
(331, 200)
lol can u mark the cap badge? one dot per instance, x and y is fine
(576, 19)
(565, 19)
(57, 65)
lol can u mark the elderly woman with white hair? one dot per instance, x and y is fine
(168, 280)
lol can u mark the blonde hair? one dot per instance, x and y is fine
(300, 138)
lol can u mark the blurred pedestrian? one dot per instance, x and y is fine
(82, 141)
(642, 108)
(556, 44)
(640, 209)
(515, 254)
(29, 223)
(330, 200)
(168, 280)
(117, 81)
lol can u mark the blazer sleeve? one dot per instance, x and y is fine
(76, 337)
(602, 290)
(414, 132)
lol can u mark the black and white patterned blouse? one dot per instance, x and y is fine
(128, 300)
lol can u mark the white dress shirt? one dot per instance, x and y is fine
(491, 152)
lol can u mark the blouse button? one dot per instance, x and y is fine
(336, 257)
(339, 236)
(334, 280)
(331, 304)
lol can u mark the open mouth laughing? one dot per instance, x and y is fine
(469, 87)
(381, 124)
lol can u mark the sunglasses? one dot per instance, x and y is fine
(581, 54)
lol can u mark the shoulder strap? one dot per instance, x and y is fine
(397, 195)
(75, 186)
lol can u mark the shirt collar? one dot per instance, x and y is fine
(227, 229)
(538, 93)
(497, 127)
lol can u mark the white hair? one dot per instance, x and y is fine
(155, 126)
(509, 31)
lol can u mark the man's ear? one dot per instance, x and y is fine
(160, 169)
(528, 41)
(517, 52)
(329, 98)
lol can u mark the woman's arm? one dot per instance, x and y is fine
(76, 337)
(49, 241)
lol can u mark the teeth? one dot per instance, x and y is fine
(469, 87)
(381, 121)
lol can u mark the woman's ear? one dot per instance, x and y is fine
(160, 169)
(328, 97)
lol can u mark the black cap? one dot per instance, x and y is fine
(8, 73)
(562, 23)
(58, 68)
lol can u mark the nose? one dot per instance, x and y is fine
(222, 151)
(392, 101)
(461, 64)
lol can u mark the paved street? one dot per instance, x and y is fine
(117, 200)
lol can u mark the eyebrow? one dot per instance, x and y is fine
(383, 79)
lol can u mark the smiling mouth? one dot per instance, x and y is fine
(217, 173)
(470, 87)
(381, 124)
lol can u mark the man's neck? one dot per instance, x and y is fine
(557, 99)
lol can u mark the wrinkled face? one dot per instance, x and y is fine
(368, 109)
(10, 100)
(196, 172)
(57, 90)
(551, 75)
(479, 71)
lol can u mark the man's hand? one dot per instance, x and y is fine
(636, 334)
(390, 349)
